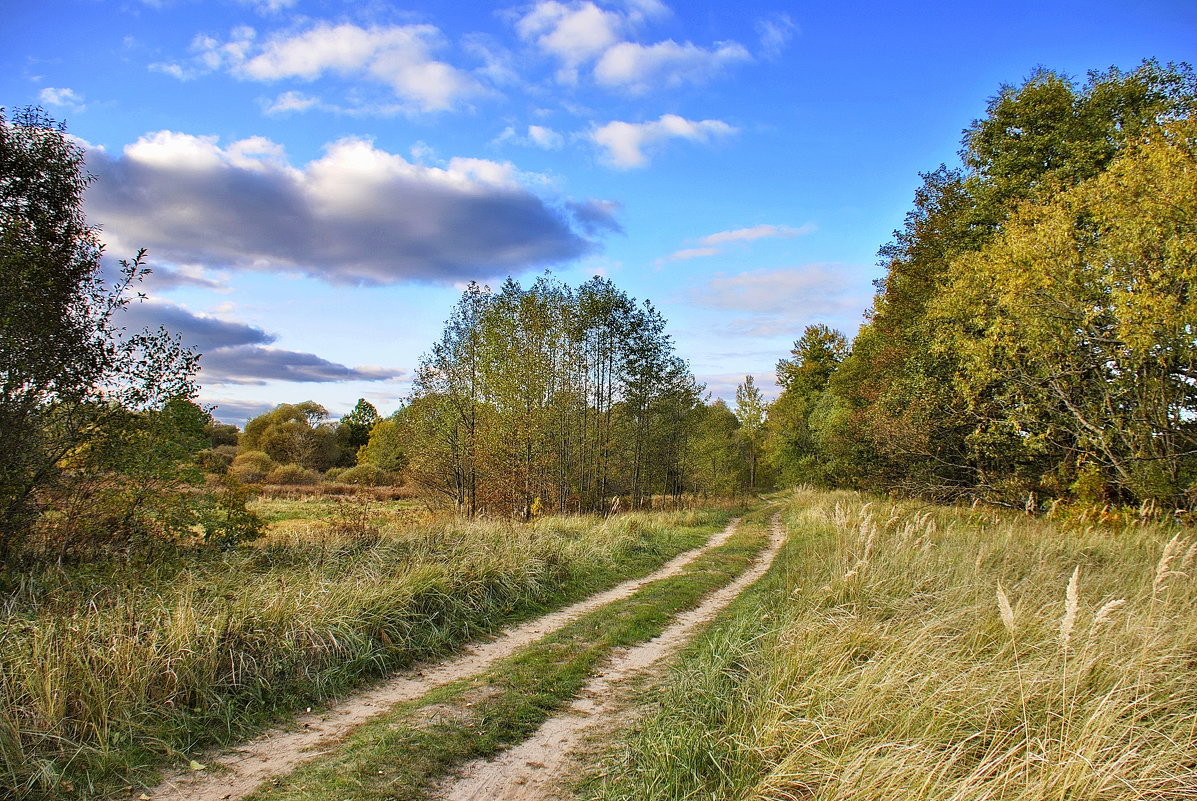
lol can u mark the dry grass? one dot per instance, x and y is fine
(905, 652)
(107, 669)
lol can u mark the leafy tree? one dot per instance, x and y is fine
(750, 411)
(385, 448)
(294, 433)
(71, 379)
(1076, 330)
(792, 442)
(353, 430)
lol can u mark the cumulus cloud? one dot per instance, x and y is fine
(62, 98)
(573, 32)
(584, 35)
(357, 215)
(399, 57)
(625, 142)
(639, 68)
(238, 353)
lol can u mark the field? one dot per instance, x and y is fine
(108, 672)
(901, 651)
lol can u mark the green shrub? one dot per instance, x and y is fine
(367, 475)
(292, 474)
(251, 467)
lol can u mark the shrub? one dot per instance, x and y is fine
(292, 474)
(251, 467)
(367, 475)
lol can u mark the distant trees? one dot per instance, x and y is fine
(1033, 337)
(560, 397)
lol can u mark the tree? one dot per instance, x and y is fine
(792, 442)
(70, 376)
(750, 411)
(353, 430)
(1076, 331)
(294, 433)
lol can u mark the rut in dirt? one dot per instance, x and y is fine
(541, 767)
(232, 774)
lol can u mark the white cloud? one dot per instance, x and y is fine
(775, 33)
(809, 291)
(686, 254)
(269, 6)
(539, 136)
(291, 101)
(399, 57)
(573, 32)
(625, 142)
(639, 68)
(582, 34)
(712, 244)
(233, 352)
(358, 214)
(62, 98)
(755, 232)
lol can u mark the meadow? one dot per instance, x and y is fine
(111, 670)
(904, 651)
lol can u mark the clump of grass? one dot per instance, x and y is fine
(108, 670)
(906, 680)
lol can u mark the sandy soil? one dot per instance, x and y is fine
(542, 767)
(233, 774)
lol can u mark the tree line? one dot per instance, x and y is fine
(1034, 339)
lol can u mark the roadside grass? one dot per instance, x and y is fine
(399, 754)
(107, 671)
(898, 651)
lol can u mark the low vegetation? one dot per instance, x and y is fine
(898, 651)
(107, 669)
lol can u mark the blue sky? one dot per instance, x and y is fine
(316, 181)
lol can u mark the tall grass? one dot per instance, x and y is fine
(906, 652)
(106, 670)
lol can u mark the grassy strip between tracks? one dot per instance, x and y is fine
(399, 754)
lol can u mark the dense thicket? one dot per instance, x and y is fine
(1033, 337)
(554, 398)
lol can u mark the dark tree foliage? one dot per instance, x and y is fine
(94, 417)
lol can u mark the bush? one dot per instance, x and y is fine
(213, 461)
(367, 475)
(251, 467)
(292, 474)
(334, 473)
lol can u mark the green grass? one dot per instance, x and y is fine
(398, 754)
(873, 662)
(107, 671)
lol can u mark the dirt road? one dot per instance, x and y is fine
(233, 774)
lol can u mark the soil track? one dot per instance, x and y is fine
(233, 774)
(541, 767)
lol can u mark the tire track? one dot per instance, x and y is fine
(539, 768)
